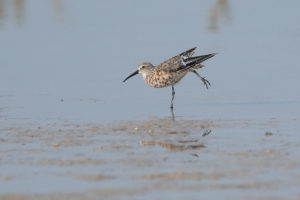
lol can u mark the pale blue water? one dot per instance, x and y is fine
(82, 53)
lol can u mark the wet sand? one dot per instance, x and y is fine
(151, 159)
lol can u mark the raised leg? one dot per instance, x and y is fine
(173, 95)
(205, 81)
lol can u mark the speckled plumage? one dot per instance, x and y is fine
(171, 71)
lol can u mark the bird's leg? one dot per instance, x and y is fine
(172, 102)
(173, 95)
(205, 81)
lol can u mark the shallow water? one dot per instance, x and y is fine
(156, 158)
(70, 127)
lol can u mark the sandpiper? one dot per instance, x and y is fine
(172, 71)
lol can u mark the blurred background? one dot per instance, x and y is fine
(65, 60)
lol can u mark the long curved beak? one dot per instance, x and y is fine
(134, 73)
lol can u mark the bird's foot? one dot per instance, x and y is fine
(203, 79)
(206, 82)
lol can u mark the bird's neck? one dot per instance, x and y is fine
(144, 76)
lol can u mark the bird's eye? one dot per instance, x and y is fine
(143, 67)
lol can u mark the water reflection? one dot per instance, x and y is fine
(219, 11)
(59, 11)
(1, 12)
(18, 10)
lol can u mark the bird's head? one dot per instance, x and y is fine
(143, 68)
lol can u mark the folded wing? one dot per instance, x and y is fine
(173, 64)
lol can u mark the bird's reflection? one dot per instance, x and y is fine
(206, 132)
(172, 114)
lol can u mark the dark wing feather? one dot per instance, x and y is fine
(194, 61)
(188, 53)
